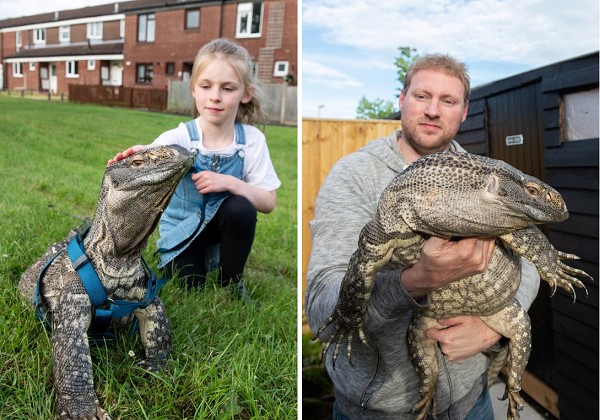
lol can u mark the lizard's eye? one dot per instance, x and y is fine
(532, 189)
(137, 162)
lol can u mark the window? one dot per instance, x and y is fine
(192, 19)
(31, 66)
(39, 36)
(64, 34)
(281, 68)
(580, 115)
(17, 70)
(170, 69)
(248, 20)
(144, 73)
(19, 40)
(91, 64)
(94, 30)
(146, 26)
(72, 69)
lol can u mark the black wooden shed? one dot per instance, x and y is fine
(545, 122)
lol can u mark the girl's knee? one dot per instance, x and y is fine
(239, 207)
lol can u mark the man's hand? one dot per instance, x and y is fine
(126, 153)
(443, 261)
(463, 336)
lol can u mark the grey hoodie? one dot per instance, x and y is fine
(381, 383)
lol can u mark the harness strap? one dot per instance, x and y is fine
(98, 297)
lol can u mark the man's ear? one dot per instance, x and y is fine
(464, 117)
(401, 99)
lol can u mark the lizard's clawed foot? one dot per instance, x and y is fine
(343, 329)
(425, 405)
(153, 365)
(80, 407)
(515, 403)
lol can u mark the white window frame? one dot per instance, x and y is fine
(187, 12)
(39, 36)
(17, 69)
(91, 64)
(245, 13)
(149, 34)
(579, 115)
(71, 69)
(18, 40)
(281, 68)
(94, 30)
(64, 34)
(32, 66)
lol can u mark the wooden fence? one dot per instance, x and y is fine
(323, 143)
(151, 99)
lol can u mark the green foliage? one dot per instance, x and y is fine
(374, 109)
(228, 361)
(406, 58)
(380, 108)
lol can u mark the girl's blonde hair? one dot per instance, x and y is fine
(241, 62)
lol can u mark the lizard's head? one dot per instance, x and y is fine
(136, 190)
(529, 198)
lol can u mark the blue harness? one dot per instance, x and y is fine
(104, 308)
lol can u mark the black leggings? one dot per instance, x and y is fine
(232, 227)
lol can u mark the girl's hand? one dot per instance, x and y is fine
(122, 155)
(210, 182)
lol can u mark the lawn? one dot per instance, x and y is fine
(228, 361)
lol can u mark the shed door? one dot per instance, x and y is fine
(513, 115)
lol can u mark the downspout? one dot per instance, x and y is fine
(221, 19)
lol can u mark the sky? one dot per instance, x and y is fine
(349, 46)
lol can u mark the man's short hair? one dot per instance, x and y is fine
(441, 62)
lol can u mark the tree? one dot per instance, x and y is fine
(380, 108)
(403, 62)
(376, 109)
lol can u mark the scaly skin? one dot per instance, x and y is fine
(134, 192)
(456, 195)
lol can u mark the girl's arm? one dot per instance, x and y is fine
(207, 182)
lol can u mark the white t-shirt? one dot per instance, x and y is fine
(258, 169)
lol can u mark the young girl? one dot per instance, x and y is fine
(232, 177)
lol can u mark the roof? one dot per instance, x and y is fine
(70, 50)
(101, 10)
(62, 15)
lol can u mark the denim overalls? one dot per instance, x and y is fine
(189, 212)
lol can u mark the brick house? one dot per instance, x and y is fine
(143, 43)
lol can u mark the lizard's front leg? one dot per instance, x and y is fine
(72, 362)
(155, 333)
(375, 248)
(531, 243)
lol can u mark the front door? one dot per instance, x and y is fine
(116, 73)
(53, 79)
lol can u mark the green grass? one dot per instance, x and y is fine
(227, 362)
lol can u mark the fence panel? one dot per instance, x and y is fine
(323, 143)
(280, 106)
(152, 99)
